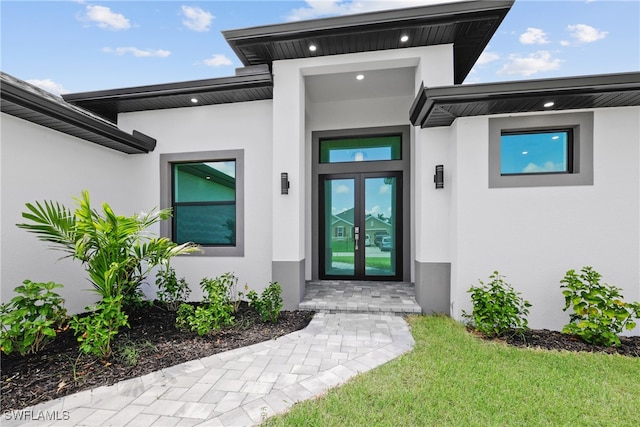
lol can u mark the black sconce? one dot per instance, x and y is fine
(284, 183)
(438, 178)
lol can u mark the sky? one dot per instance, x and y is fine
(82, 45)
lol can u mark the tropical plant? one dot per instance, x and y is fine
(268, 304)
(116, 250)
(31, 320)
(599, 312)
(497, 307)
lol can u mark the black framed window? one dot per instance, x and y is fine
(536, 152)
(204, 203)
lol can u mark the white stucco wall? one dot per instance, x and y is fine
(42, 164)
(534, 235)
(246, 126)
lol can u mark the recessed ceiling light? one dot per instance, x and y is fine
(404, 38)
(312, 47)
(549, 104)
(555, 137)
(207, 177)
(525, 152)
(194, 100)
(360, 77)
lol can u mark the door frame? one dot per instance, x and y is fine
(403, 166)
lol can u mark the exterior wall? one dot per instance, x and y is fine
(241, 126)
(534, 235)
(40, 164)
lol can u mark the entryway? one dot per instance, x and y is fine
(360, 234)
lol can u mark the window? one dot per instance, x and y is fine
(205, 191)
(367, 149)
(541, 150)
(536, 152)
(340, 231)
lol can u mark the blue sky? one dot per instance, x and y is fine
(77, 46)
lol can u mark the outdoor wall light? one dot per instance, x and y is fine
(438, 178)
(284, 183)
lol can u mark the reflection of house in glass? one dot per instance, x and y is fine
(376, 227)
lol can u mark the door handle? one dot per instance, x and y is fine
(355, 239)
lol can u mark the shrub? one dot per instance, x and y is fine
(30, 320)
(115, 250)
(599, 312)
(268, 304)
(216, 309)
(497, 307)
(96, 331)
(171, 290)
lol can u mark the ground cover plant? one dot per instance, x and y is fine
(453, 378)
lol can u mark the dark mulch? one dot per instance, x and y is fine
(553, 340)
(59, 370)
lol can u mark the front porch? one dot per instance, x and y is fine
(390, 298)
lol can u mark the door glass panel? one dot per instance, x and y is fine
(380, 226)
(360, 149)
(339, 205)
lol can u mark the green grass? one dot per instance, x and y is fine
(453, 378)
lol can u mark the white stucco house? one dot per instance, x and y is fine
(538, 176)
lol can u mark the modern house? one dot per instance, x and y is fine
(537, 177)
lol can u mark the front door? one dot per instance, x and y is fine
(361, 226)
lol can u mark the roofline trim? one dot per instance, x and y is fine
(138, 142)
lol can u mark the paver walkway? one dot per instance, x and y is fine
(242, 386)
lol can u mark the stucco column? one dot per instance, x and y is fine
(288, 157)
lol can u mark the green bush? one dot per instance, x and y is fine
(30, 320)
(599, 312)
(268, 304)
(171, 290)
(116, 250)
(216, 310)
(96, 330)
(497, 307)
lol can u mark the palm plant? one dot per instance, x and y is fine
(116, 251)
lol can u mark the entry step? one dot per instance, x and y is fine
(390, 298)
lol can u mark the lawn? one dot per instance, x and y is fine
(453, 378)
(381, 263)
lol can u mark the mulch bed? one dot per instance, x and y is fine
(553, 340)
(59, 369)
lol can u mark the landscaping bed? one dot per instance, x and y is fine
(152, 343)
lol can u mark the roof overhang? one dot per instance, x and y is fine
(249, 84)
(440, 106)
(27, 102)
(467, 25)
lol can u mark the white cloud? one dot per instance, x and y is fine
(49, 85)
(534, 36)
(342, 189)
(105, 18)
(583, 33)
(384, 189)
(531, 64)
(196, 19)
(547, 167)
(139, 53)
(487, 57)
(218, 60)
(320, 8)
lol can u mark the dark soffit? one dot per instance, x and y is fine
(249, 84)
(25, 101)
(468, 25)
(440, 106)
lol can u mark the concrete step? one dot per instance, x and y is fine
(389, 298)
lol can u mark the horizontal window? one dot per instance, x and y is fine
(360, 149)
(536, 152)
(541, 150)
(205, 191)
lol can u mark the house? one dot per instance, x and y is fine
(538, 176)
